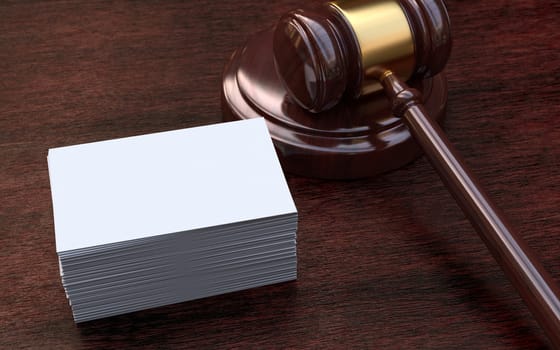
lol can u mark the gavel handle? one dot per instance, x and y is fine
(535, 286)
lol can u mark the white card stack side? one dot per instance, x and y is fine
(157, 219)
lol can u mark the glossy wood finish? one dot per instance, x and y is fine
(431, 28)
(355, 139)
(319, 56)
(384, 263)
(522, 267)
(312, 57)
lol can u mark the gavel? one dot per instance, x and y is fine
(320, 64)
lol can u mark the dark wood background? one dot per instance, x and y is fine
(384, 263)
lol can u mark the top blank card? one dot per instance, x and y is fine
(143, 186)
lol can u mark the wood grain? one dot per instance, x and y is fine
(388, 262)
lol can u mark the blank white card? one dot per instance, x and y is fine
(143, 186)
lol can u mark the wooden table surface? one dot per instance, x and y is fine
(384, 263)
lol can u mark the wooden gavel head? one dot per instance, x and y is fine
(312, 76)
(324, 53)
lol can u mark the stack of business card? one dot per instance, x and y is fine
(163, 218)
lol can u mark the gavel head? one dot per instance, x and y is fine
(335, 50)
